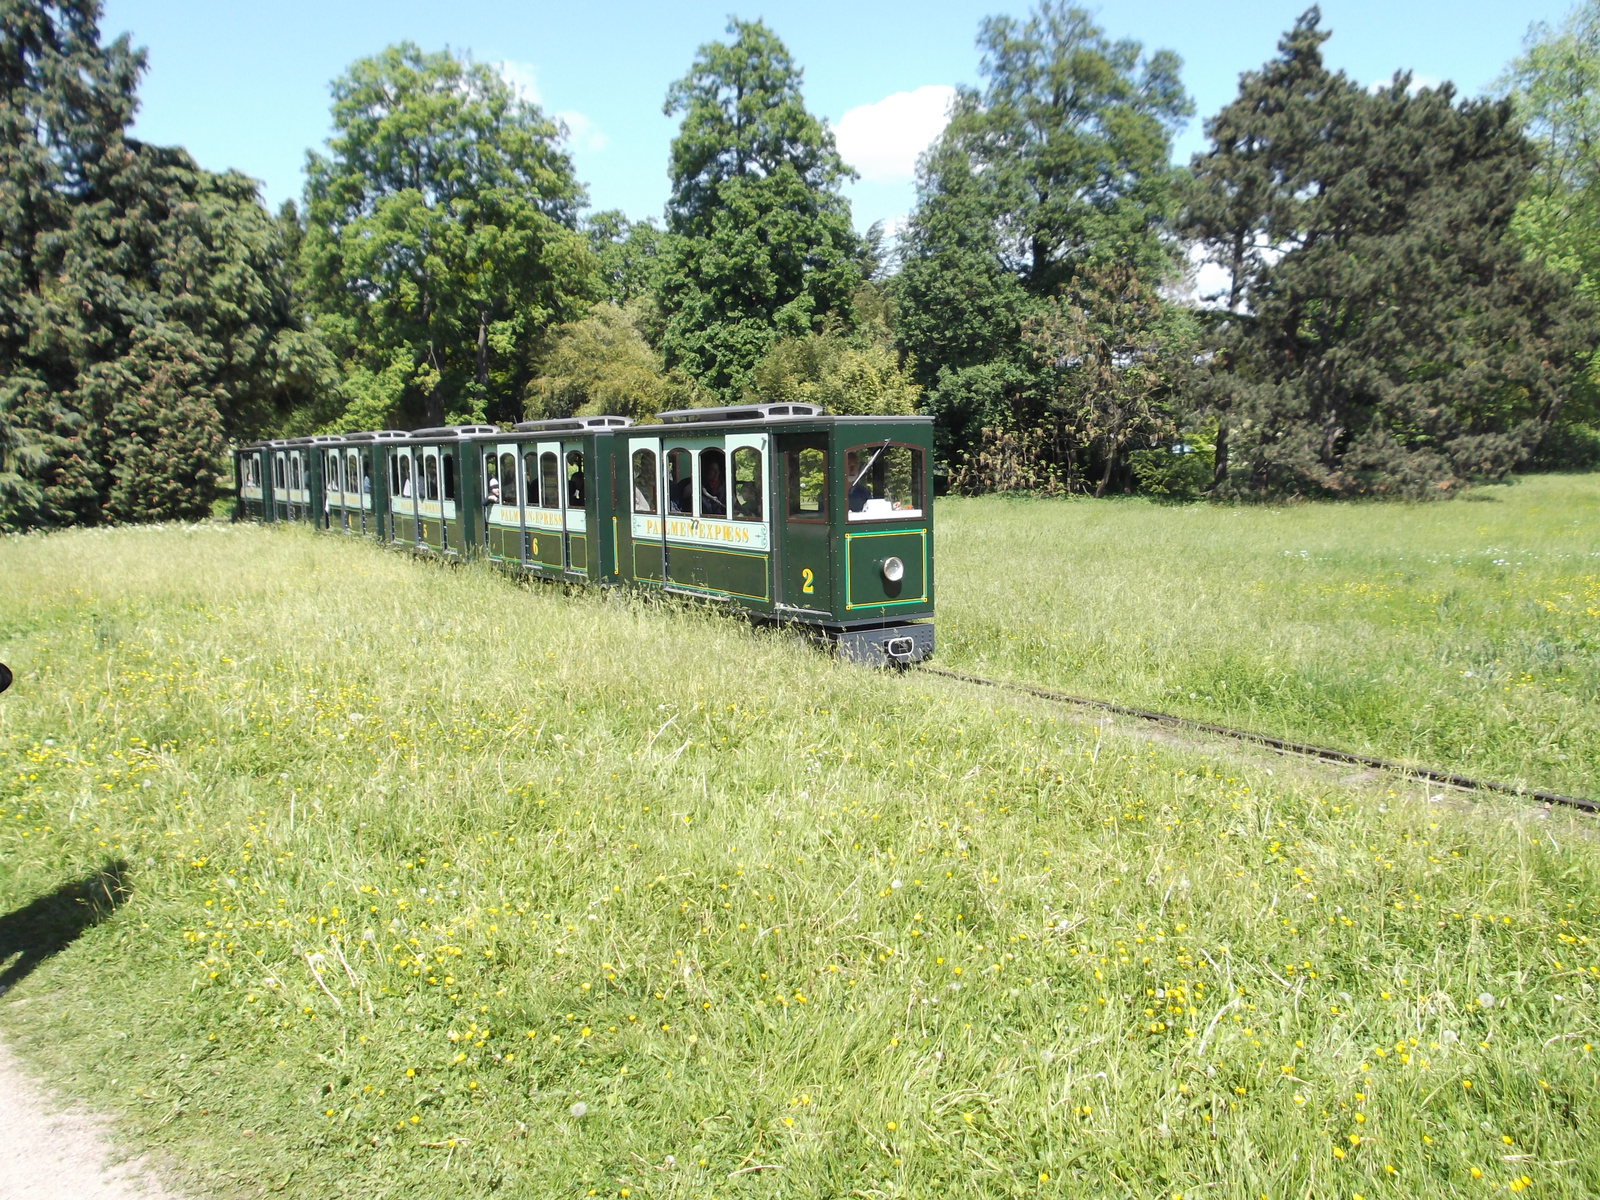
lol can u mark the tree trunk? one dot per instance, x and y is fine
(482, 374)
(1219, 470)
(1105, 479)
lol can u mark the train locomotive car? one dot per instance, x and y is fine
(784, 511)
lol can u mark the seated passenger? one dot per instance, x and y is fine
(575, 490)
(494, 492)
(746, 502)
(712, 503)
(859, 495)
(680, 495)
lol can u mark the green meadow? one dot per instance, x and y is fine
(1463, 635)
(437, 885)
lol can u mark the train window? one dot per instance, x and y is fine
(333, 472)
(405, 475)
(366, 476)
(807, 469)
(644, 481)
(575, 492)
(430, 476)
(491, 480)
(530, 478)
(549, 480)
(747, 484)
(449, 474)
(277, 472)
(680, 481)
(713, 483)
(508, 476)
(352, 473)
(885, 480)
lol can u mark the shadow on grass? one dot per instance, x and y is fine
(54, 921)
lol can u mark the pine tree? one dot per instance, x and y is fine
(145, 312)
(1384, 334)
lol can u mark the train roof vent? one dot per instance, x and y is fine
(572, 424)
(447, 431)
(299, 441)
(743, 412)
(375, 435)
(328, 437)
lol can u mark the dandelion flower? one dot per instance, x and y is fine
(1485, 999)
(580, 1109)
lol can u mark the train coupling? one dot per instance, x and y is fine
(886, 646)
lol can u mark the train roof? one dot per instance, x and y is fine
(573, 424)
(453, 431)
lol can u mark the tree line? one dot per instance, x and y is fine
(1408, 306)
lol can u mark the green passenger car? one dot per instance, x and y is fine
(782, 510)
(791, 513)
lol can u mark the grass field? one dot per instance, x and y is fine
(1463, 635)
(443, 887)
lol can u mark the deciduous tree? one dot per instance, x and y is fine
(1060, 162)
(441, 238)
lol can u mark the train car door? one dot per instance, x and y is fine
(546, 529)
(355, 513)
(574, 515)
(807, 580)
(333, 513)
(502, 502)
(644, 482)
(280, 485)
(403, 502)
(429, 510)
(450, 524)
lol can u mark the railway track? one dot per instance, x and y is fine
(1303, 749)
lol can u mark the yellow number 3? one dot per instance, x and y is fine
(805, 574)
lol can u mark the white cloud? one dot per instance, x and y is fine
(1418, 82)
(882, 140)
(522, 77)
(585, 134)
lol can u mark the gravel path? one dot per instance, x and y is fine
(51, 1153)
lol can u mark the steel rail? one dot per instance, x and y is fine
(1304, 749)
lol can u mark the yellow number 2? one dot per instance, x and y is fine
(805, 574)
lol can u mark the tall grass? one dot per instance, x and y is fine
(1462, 635)
(444, 887)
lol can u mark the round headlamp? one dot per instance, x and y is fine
(894, 570)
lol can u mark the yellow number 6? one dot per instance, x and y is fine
(533, 547)
(805, 574)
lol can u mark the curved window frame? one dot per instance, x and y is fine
(549, 480)
(643, 477)
(680, 481)
(738, 458)
(577, 481)
(509, 492)
(705, 499)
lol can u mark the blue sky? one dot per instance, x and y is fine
(245, 85)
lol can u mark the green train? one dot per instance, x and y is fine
(783, 511)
